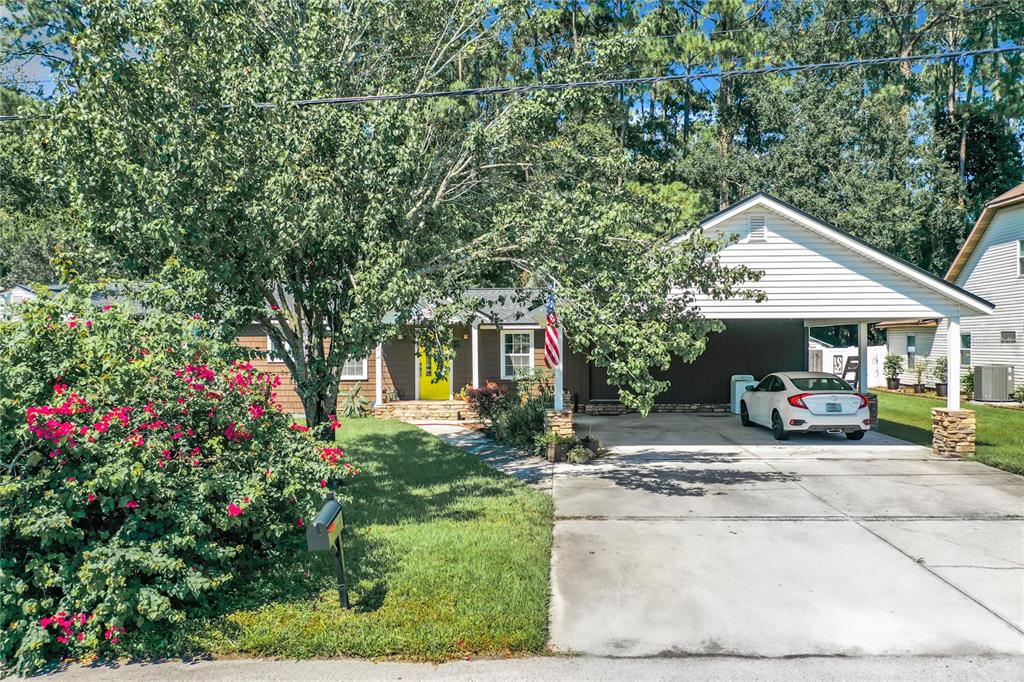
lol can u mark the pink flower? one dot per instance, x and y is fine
(107, 307)
(196, 316)
(131, 504)
(246, 499)
(234, 510)
(334, 423)
(323, 483)
(298, 522)
(71, 479)
(88, 323)
(72, 324)
(256, 411)
(62, 639)
(60, 388)
(299, 427)
(92, 497)
(81, 636)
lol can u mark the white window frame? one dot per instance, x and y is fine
(270, 351)
(911, 352)
(508, 332)
(966, 349)
(1020, 257)
(363, 375)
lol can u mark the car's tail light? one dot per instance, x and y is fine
(863, 400)
(798, 400)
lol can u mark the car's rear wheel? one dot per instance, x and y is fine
(744, 415)
(777, 427)
(854, 435)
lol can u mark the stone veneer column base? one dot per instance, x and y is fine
(560, 422)
(953, 432)
(873, 410)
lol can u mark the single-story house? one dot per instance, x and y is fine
(991, 265)
(813, 274)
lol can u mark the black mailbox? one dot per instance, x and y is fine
(323, 534)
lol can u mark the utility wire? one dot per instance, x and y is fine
(613, 82)
(644, 80)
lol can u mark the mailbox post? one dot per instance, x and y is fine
(324, 535)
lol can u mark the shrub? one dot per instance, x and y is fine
(1019, 394)
(353, 405)
(145, 466)
(920, 367)
(941, 369)
(579, 454)
(967, 382)
(893, 366)
(488, 401)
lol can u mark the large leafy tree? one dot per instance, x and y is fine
(182, 138)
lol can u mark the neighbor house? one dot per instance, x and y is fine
(813, 274)
(991, 265)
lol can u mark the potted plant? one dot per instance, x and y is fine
(941, 375)
(919, 369)
(893, 366)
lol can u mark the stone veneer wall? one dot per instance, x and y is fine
(425, 409)
(953, 432)
(560, 422)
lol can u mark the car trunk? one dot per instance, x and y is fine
(832, 403)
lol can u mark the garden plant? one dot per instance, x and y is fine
(145, 467)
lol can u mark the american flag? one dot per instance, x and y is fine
(551, 355)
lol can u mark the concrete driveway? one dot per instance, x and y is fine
(698, 536)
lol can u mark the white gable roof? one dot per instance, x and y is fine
(815, 271)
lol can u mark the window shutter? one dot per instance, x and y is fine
(758, 229)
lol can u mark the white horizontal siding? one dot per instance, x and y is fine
(807, 276)
(991, 273)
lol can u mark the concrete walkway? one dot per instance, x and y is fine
(698, 536)
(561, 668)
(535, 472)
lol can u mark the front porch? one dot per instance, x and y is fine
(440, 410)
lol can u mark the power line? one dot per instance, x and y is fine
(643, 80)
(615, 82)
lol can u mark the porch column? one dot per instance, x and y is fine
(379, 375)
(862, 357)
(953, 362)
(475, 343)
(558, 371)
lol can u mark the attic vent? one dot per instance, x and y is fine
(758, 230)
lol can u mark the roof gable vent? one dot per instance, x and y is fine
(757, 229)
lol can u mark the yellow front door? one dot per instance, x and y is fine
(430, 389)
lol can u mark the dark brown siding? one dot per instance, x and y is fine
(756, 347)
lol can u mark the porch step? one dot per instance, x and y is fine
(424, 409)
(614, 407)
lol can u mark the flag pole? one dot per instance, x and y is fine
(559, 380)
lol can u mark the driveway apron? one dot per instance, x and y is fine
(699, 536)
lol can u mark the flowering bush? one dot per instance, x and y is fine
(144, 466)
(488, 401)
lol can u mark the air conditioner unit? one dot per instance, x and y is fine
(993, 382)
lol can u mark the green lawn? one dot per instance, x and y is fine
(446, 558)
(1000, 436)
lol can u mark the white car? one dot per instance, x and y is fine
(801, 402)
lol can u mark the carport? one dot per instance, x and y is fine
(812, 274)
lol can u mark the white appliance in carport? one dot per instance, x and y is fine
(737, 385)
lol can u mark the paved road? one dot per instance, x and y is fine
(701, 537)
(648, 669)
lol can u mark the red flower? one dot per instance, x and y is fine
(92, 497)
(60, 388)
(131, 504)
(71, 479)
(234, 510)
(298, 522)
(107, 307)
(72, 324)
(256, 411)
(88, 323)
(299, 427)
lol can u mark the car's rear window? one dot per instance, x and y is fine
(821, 384)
